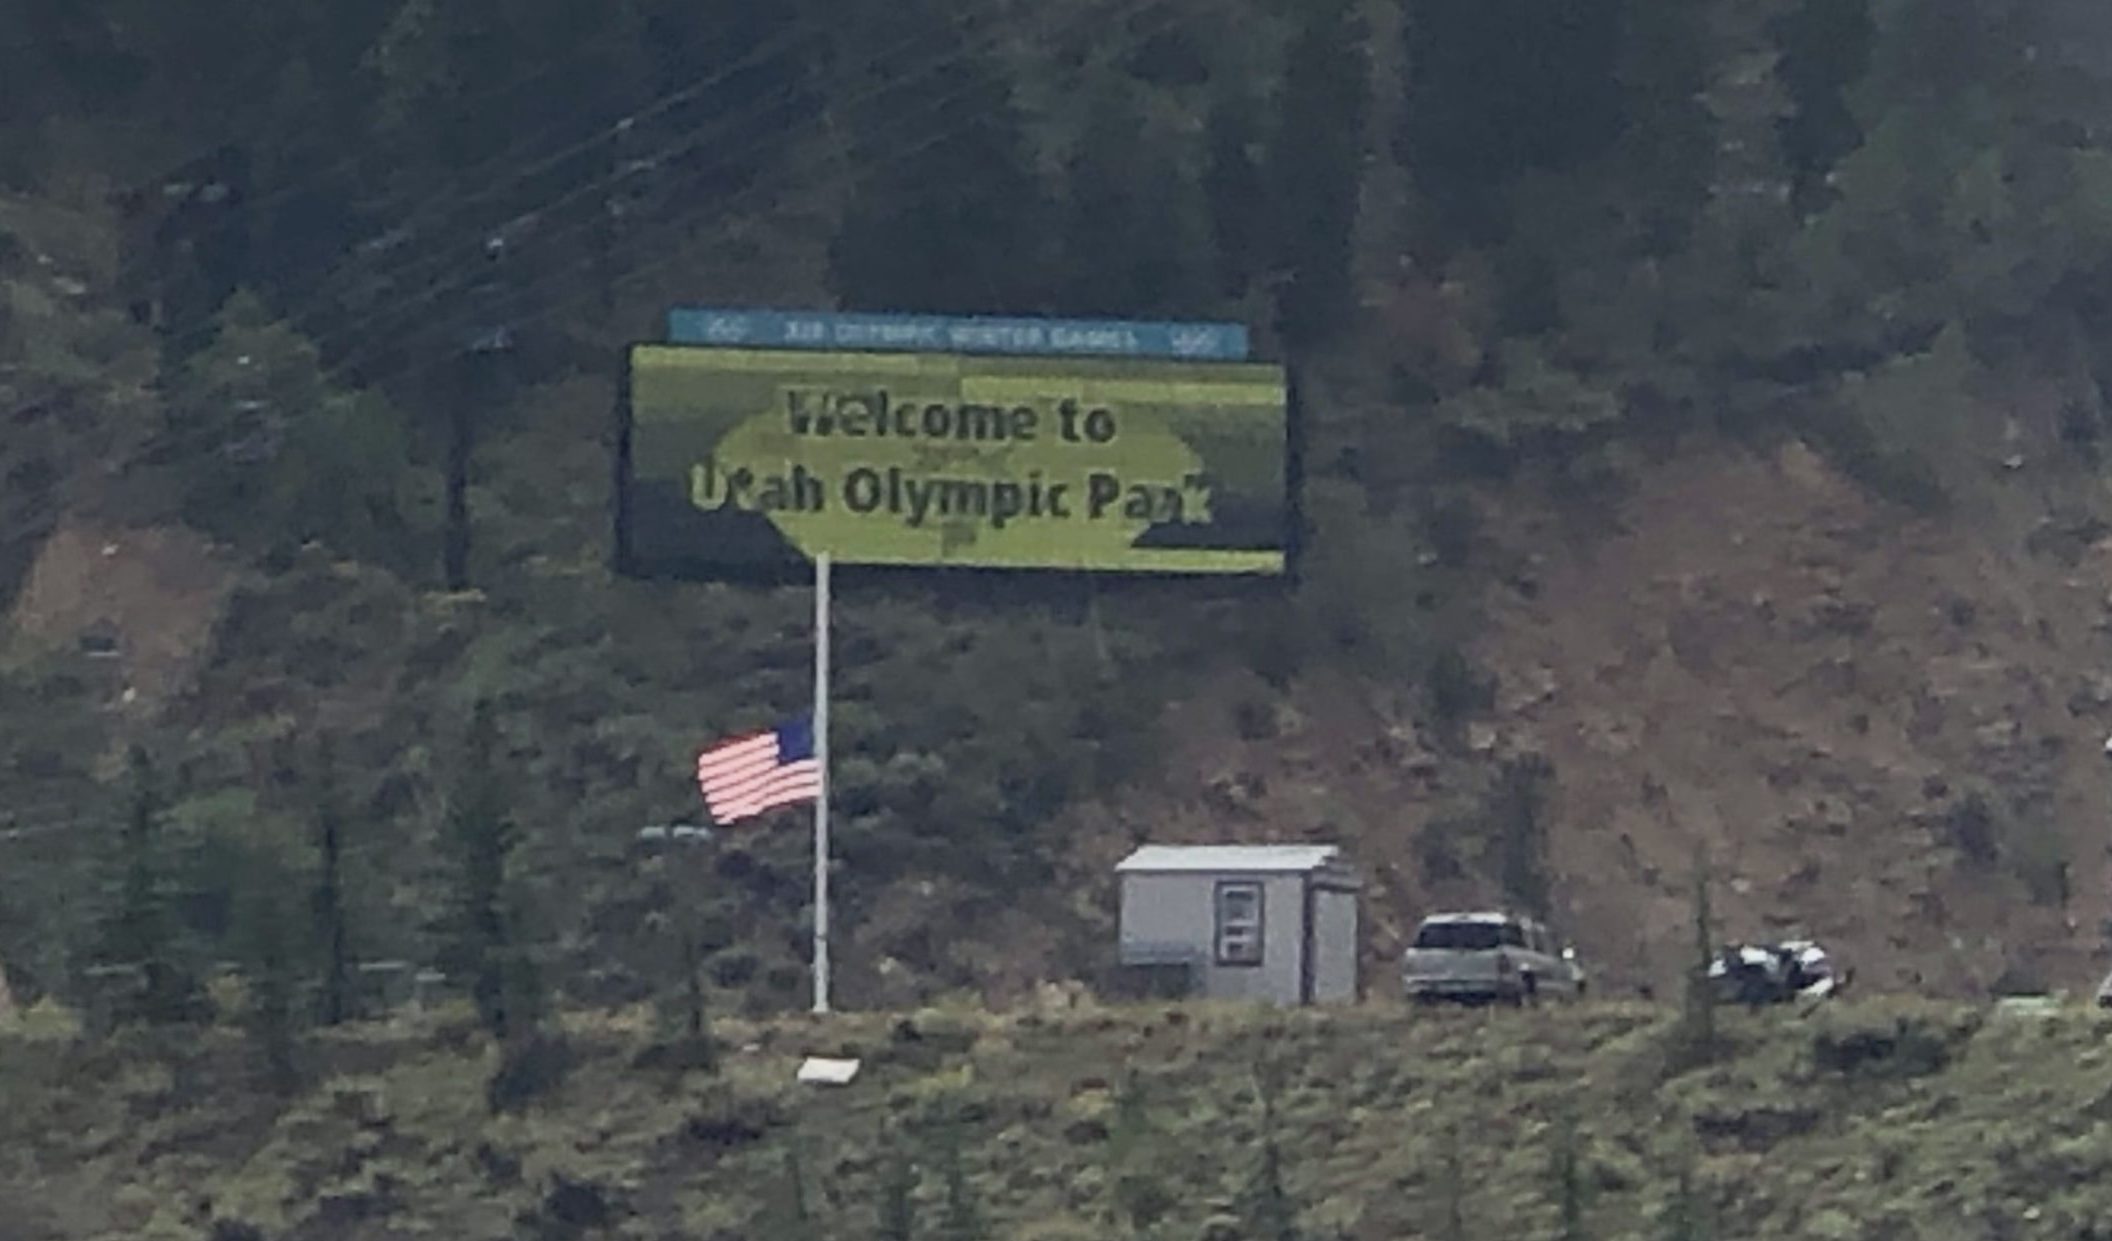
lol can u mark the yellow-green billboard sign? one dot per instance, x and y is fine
(749, 458)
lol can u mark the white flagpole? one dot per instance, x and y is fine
(821, 797)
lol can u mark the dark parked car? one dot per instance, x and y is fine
(1779, 973)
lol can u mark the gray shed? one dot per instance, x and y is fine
(1256, 922)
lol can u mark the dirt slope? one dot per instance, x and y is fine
(1888, 730)
(152, 596)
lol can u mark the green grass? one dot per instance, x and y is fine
(1870, 1120)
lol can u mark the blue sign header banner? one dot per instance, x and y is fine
(1114, 338)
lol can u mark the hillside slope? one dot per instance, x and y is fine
(1059, 1122)
(1538, 654)
(1884, 726)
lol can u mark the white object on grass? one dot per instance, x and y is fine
(820, 1071)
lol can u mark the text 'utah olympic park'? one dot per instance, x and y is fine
(870, 489)
(738, 456)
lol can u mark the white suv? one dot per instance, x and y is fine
(1489, 957)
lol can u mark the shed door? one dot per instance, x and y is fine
(1333, 958)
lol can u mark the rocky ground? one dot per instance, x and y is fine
(1886, 727)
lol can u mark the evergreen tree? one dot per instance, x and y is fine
(267, 937)
(693, 1023)
(1749, 195)
(1315, 166)
(1271, 1214)
(334, 997)
(1826, 47)
(1128, 229)
(1667, 150)
(142, 931)
(1519, 811)
(1569, 1179)
(267, 454)
(1139, 1192)
(486, 944)
(1697, 1035)
(1686, 1217)
(1237, 193)
(1453, 1174)
(1499, 89)
(706, 57)
(897, 1213)
(947, 213)
(960, 1216)
(785, 1211)
(802, 1215)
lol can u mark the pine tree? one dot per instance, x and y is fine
(1452, 1170)
(334, 1005)
(1139, 1192)
(1668, 150)
(269, 454)
(1749, 207)
(1520, 813)
(486, 944)
(464, 391)
(960, 1216)
(796, 1189)
(1569, 1179)
(944, 217)
(1271, 1214)
(730, 39)
(266, 935)
(1697, 1034)
(1131, 223)
(1499, 89)
(1826, 47)
(897, 1214)
(786, 1211)
(1316, 162)
(1686, 1217)
(693, 1024)
(1236, 192)
(142, 930)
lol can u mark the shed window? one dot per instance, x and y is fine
(1239, 923)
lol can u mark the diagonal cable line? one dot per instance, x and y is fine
(777, 181)
(439, 258)
(939, 105)
(789, 41)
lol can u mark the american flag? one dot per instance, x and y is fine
(746, 775)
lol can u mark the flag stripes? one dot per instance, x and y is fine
(745, 776)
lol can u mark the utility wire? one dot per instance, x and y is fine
(497, 172)
(772, 181)
(421, 270)
(501, 179)
(369, 163)
(937, 106)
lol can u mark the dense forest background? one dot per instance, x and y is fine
(309, 340)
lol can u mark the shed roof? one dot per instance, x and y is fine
(1203, 859)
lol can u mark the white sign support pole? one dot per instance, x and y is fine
(821, 798)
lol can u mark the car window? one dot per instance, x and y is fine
(1469, 936)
